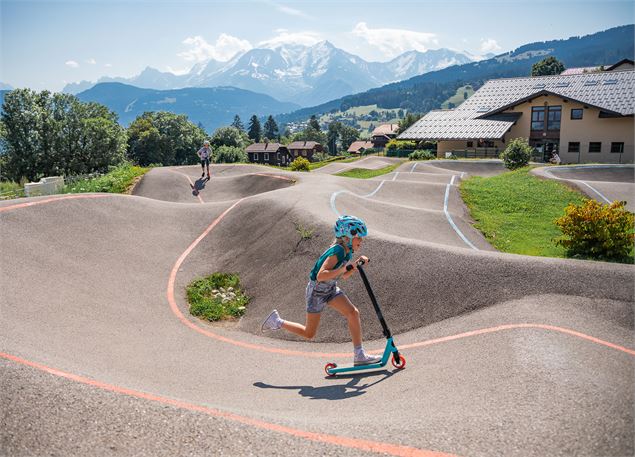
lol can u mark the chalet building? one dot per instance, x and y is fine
(269, 153)
(304, 149)
(383, 134)
(358, 147)
(622, 65)
(584, 117)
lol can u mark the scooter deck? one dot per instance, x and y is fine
(332, 369)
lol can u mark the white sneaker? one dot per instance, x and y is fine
(272, 322)
(366, 359)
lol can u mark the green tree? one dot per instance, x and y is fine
(52, 134)
(271, 128)
(407, 121)
(229, 136)
(255, 131)
(547, 66)
(517, 153)
(165, 138)
(348, 134)
(332, 136)
(313, 123)
(237, 123)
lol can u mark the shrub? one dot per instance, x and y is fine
(597, 231)
(217, 297)
(517, 153)
(400, 144)
(421, 154)
(229, 154)
(300, 164)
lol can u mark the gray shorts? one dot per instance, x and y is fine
(318, 294)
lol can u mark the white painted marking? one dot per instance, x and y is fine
(447, 215)
(413, 166)
(594, 190)
(395, 177)
(452, 180)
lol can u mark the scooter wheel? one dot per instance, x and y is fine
(402, 362)
(329, 366)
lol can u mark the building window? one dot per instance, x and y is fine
(485, 144)
(553, 117)
(617, 147)
(470, 144)
(266, 156)
(595, 146)
(538, 118)
(304, 153)
(574, 146)
(576, 113)
(278, 156)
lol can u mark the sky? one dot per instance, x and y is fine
(46, 44)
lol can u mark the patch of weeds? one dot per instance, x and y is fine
(305, 233)
(217, 297)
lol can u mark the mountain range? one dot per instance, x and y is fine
(212, 107)
(305, 75)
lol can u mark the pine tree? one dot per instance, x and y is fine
(313, 123)
(255, 131)
(271, 128)
(238, 123)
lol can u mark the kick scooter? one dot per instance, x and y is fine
(398, 360)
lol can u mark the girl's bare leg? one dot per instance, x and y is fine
(344, 306)
(308, 330)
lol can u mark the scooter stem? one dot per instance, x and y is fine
(369, 289)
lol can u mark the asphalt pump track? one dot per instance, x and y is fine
(507, 354)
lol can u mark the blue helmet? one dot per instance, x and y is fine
(350, 226)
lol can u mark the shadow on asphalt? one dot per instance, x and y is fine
(334, 392)
(198, 186)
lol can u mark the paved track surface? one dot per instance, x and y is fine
(604, 183)
(506, 355)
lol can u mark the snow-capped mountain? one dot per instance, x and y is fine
(307, 75)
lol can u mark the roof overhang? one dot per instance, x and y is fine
(540, 94)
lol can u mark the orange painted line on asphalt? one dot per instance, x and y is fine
(49, 200)
(284, 178)
(342, 441)
(516, 326)
(198, 194)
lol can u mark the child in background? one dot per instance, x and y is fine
(205, 153)
(322, 288)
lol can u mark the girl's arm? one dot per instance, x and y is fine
(327, 272)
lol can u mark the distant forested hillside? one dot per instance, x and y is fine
(428, 91)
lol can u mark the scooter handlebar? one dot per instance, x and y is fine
(360, 262)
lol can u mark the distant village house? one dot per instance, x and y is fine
(269, 153)
(383, 134)
(584, 117)
(304, 149)
(358, 147)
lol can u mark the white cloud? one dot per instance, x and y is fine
(489, 45)
(225, 48)
(72, 63)
(107, 65)
(285, 9)
(284, 37)
(392, 42)
(91, 61)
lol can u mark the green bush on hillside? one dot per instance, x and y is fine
(300, 164)
(597, 231)
(517, 154)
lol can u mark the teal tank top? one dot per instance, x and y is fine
(337, 250)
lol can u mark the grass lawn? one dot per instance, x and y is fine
(516, 211)
(365, 173)
(458, 97)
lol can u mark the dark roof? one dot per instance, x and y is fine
(264, 147)
(617, 64)
(303, 145)
(479, 115)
